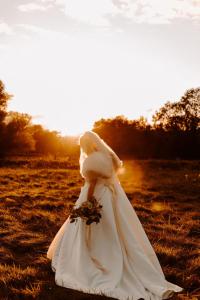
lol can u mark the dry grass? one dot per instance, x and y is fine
(34, 200)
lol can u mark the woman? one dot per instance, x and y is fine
(113, 257)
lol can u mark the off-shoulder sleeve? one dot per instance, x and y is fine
(99, 163)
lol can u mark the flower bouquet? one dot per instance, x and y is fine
(89, 211)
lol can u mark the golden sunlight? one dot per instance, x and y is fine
(80, 86)
(158, 206)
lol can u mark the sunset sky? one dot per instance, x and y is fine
(69, 63)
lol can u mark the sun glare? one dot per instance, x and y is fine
(157, 206)
(68, 82)
(69, 126)
(72, 82)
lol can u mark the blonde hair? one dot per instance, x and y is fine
(90, 141)
(87, 145)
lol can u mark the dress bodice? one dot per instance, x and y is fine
(109, 182)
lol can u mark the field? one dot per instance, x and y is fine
(34, 198)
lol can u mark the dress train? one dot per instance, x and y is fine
(114, 257)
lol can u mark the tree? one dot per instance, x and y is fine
(126, 137)
(4, 98)
(46, 141)
(183, 115)
(18, 135)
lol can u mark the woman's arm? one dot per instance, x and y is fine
(92, 177)
(91, 188)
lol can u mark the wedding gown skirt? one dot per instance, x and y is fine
(112, 258)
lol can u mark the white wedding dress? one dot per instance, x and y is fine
(114, 257)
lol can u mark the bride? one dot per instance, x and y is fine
(113, 257)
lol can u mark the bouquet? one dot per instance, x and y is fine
(89, 211)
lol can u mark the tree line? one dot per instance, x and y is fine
(173, 133)
(19, 136)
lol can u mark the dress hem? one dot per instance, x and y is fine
(166, 294)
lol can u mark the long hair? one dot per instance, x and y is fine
(90, 141)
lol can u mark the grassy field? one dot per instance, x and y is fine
(34, 198)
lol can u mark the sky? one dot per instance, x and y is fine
(69, 63)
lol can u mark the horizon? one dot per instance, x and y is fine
(64, 61)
